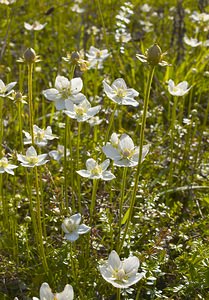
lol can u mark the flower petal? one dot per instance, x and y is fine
(45, 292)
(82, 229)
(67, 293)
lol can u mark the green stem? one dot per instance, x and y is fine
(65, 164)
(39, 223)
(133, 197)
(172, 130)
(93, 199)
(30, 99)
(77, 165)
(110, 124)
(4, 204)
(1, 124)
(20, 124)
(121, 204)
(118, 294)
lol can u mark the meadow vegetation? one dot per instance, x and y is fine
(104, 160)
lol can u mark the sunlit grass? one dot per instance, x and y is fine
(95, 127)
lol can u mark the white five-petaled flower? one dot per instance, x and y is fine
(82, 111)
(6, 90)
(41, 136)
(119, 93)
(46, 293)
(178, 90)
(35, 26)
(65, 90)
(97, 171)
(121, 274)
(200, 17)
(59, 153)
(5, 166)
(192, 42)
(72, 228)
(32, 159)
(123, 152)
(96, 57)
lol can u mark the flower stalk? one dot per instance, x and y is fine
(133, 197)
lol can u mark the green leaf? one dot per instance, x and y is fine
(125, 216)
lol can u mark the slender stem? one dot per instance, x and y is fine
(77, 165)
(118, 294)
(93, 199)
(20, 124)
(4, 204)
(39, 222)
(173, 121)
(121, 203)
(30, 99)
(65, 164)
(102, 20)
(1, 124)
(133, 197)
(110, 124)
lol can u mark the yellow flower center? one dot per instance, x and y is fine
(71, 226)
(121, 93)
(40, 135)
(98, 54)
(120, 275)
(126, 153)
(96, 171)
(80, 111)
(3, 162)
(32, 159)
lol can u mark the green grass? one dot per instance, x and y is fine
(162, 206)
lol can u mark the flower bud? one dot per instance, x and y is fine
(30, 55)
(75, 56)
(154, 55)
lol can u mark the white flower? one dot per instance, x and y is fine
(178, 90)
(192, 42)
(41, 136)
(65, 90)
(72, 228)
(7, 2)
(123, 152)
(145, 8)
(119, 93)
(6, 90)
(31, 159)
(121, 274)
(5, 166)
(46, 293)
(82, 111)
(96, 57)
(59, 153)
(199, 17)
(35, 26)
(96, 171)
(95, 121)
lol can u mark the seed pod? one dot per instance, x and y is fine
(154, 55)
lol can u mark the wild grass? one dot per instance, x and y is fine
(156, 210)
